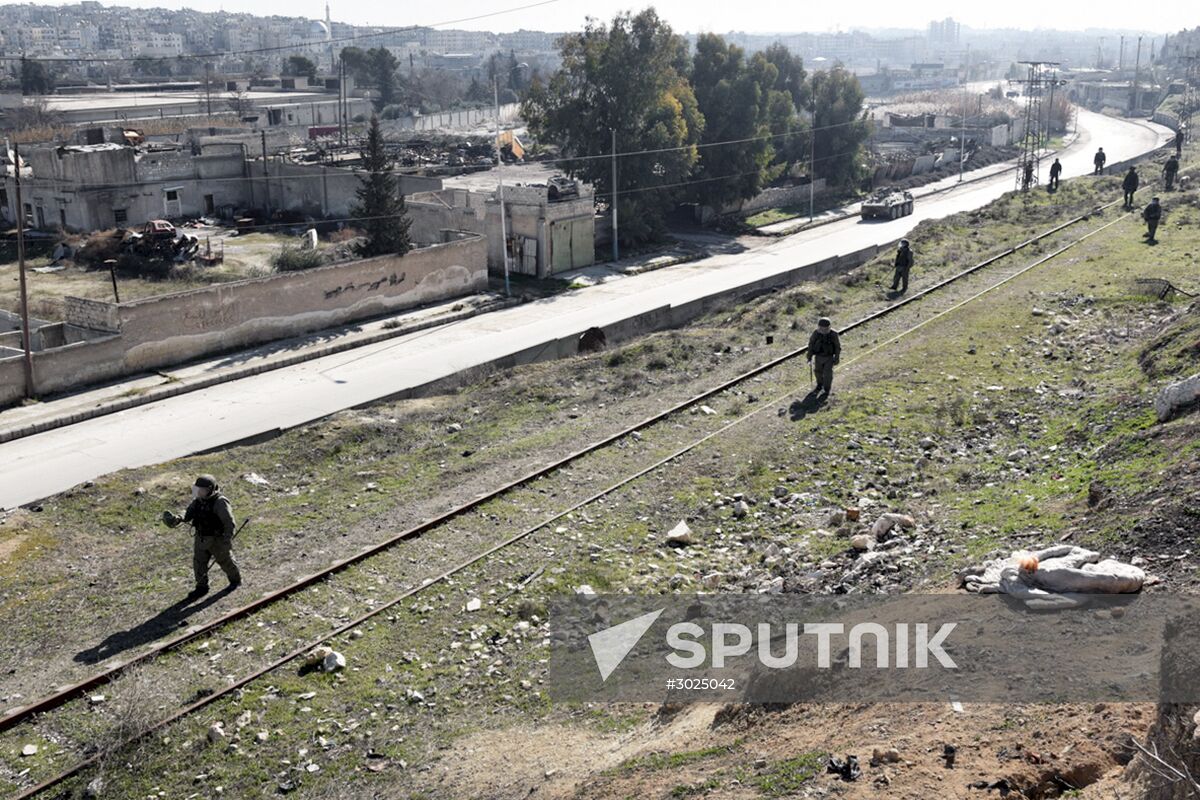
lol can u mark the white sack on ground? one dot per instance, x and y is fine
(1064, 573)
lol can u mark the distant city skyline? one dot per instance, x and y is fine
(753, 17)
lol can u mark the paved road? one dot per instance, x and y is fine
(39, 466)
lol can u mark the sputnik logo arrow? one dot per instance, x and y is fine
(611, 645)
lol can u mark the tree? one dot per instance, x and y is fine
(300, 66)
(736, 149)
(354, 59)
(383, 66)
(380, 209)
(838, 125)
(35, 78)
(238, 102)
(628, 76)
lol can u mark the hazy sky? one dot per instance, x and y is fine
(743, 15)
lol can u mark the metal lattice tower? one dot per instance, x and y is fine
(1041, 78)
(1191, 95)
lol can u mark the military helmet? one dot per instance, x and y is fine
(823, 322)
(206, 482)
(904, 242)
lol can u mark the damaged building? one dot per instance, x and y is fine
(551, 226)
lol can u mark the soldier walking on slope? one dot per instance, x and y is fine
(1130, 185)
(1055, 172)
(904, 262)
(1152, 215)
(1098, 161)
(825, 348)
(1179, 143)
(1170, 170)
(211, 515)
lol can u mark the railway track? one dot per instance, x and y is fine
(36, 710)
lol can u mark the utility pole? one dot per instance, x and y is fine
(1137, 74)
(962, 136)
(208, 87)
(341, 103)
(812, 160)
(266, 173)
(25, 338)
(1121, 57)
(500, 193)
(616, 245)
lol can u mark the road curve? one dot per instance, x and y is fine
(38, 466)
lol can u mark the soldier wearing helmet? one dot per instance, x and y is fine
(211, 517)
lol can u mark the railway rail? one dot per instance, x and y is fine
(66, 694)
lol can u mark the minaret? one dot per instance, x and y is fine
(329, 33)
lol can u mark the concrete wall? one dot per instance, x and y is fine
(162, 331)
(318, 190)
(455, 120)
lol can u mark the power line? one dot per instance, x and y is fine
(282, 48)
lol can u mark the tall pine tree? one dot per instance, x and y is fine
(381, 210)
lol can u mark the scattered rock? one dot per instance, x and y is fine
(94, 789)
(97, 699)
(781, 491)
(707, 411)
(255, 479)
(585, 589)
(927, 443)
(317, 656)
(333, 662)
(680, 535)
(474, 604)
(1178, 398)
(712, 580)
(453, 427)
(740, 509)
(862, 542)
(1020, 454)
(852, 514)
(216, 731)
(261, 737)
(886, 756)
(29, 750)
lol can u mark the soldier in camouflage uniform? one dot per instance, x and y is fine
(825, 349)
(211, 516)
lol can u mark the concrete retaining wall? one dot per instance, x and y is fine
(161, 331)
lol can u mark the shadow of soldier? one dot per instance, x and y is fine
(809, 404)
(161, 624)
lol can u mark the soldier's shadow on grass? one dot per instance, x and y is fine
(164, 622)
(811, 403)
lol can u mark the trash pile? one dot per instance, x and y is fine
(1053, 578)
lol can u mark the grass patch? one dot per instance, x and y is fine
(784, 777)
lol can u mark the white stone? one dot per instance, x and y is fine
(861, 542)
(474, 604)
(681, 534)
(333, 662)
(585, 589)
(707, 411)
(255, 479)
(1177, 397)
(29, 750)
(216, 731)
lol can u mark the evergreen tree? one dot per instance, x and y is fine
(381, 209)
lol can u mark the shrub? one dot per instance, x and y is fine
(293, 259)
